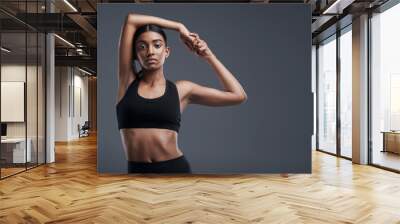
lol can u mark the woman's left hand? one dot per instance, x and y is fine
(200, 46)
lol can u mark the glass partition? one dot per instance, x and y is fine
(22, 88)
(14, 152)
(327, 95)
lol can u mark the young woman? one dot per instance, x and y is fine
(149, 106)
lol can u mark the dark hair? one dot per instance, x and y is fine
(143, 29)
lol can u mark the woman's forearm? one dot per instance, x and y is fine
(230, 83)
(138, 20)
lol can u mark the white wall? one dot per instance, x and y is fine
(71, 94)
(16, 72)
(61, 103)
(79, 110)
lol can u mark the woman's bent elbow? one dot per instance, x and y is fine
(130, 18)
(241, 99)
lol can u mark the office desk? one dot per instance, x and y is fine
(15, 148)
(391, 141)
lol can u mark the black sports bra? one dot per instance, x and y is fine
(135, 111)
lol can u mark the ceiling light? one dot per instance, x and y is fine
(331, 7)
(86, 72)
(337, 7)
(5, 49)
(64, 40)
(70, 5)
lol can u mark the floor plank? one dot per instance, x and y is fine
(71, 191)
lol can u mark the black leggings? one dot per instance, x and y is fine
(177, 165)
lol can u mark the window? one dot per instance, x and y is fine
(327, 95)
(385, 88)
(346, 75)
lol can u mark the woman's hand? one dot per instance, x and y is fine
(200, 46)
(185, 37)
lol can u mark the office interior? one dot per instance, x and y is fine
(48, 80)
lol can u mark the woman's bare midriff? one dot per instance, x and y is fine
(150, 144)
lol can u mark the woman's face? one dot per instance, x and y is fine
(151, 50)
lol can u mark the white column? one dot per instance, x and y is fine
(360, 90)
(50, 94)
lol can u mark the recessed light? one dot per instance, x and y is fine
(86, 72)
(70, 5)
(64, 40)
(5, 50)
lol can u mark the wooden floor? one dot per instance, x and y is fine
(10, 171)
(5, 172)
(70, 191)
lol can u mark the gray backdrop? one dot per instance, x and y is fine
(266, 47)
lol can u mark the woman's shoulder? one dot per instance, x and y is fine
(129, 81)
(183, 86)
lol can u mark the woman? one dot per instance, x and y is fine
(149, 106)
